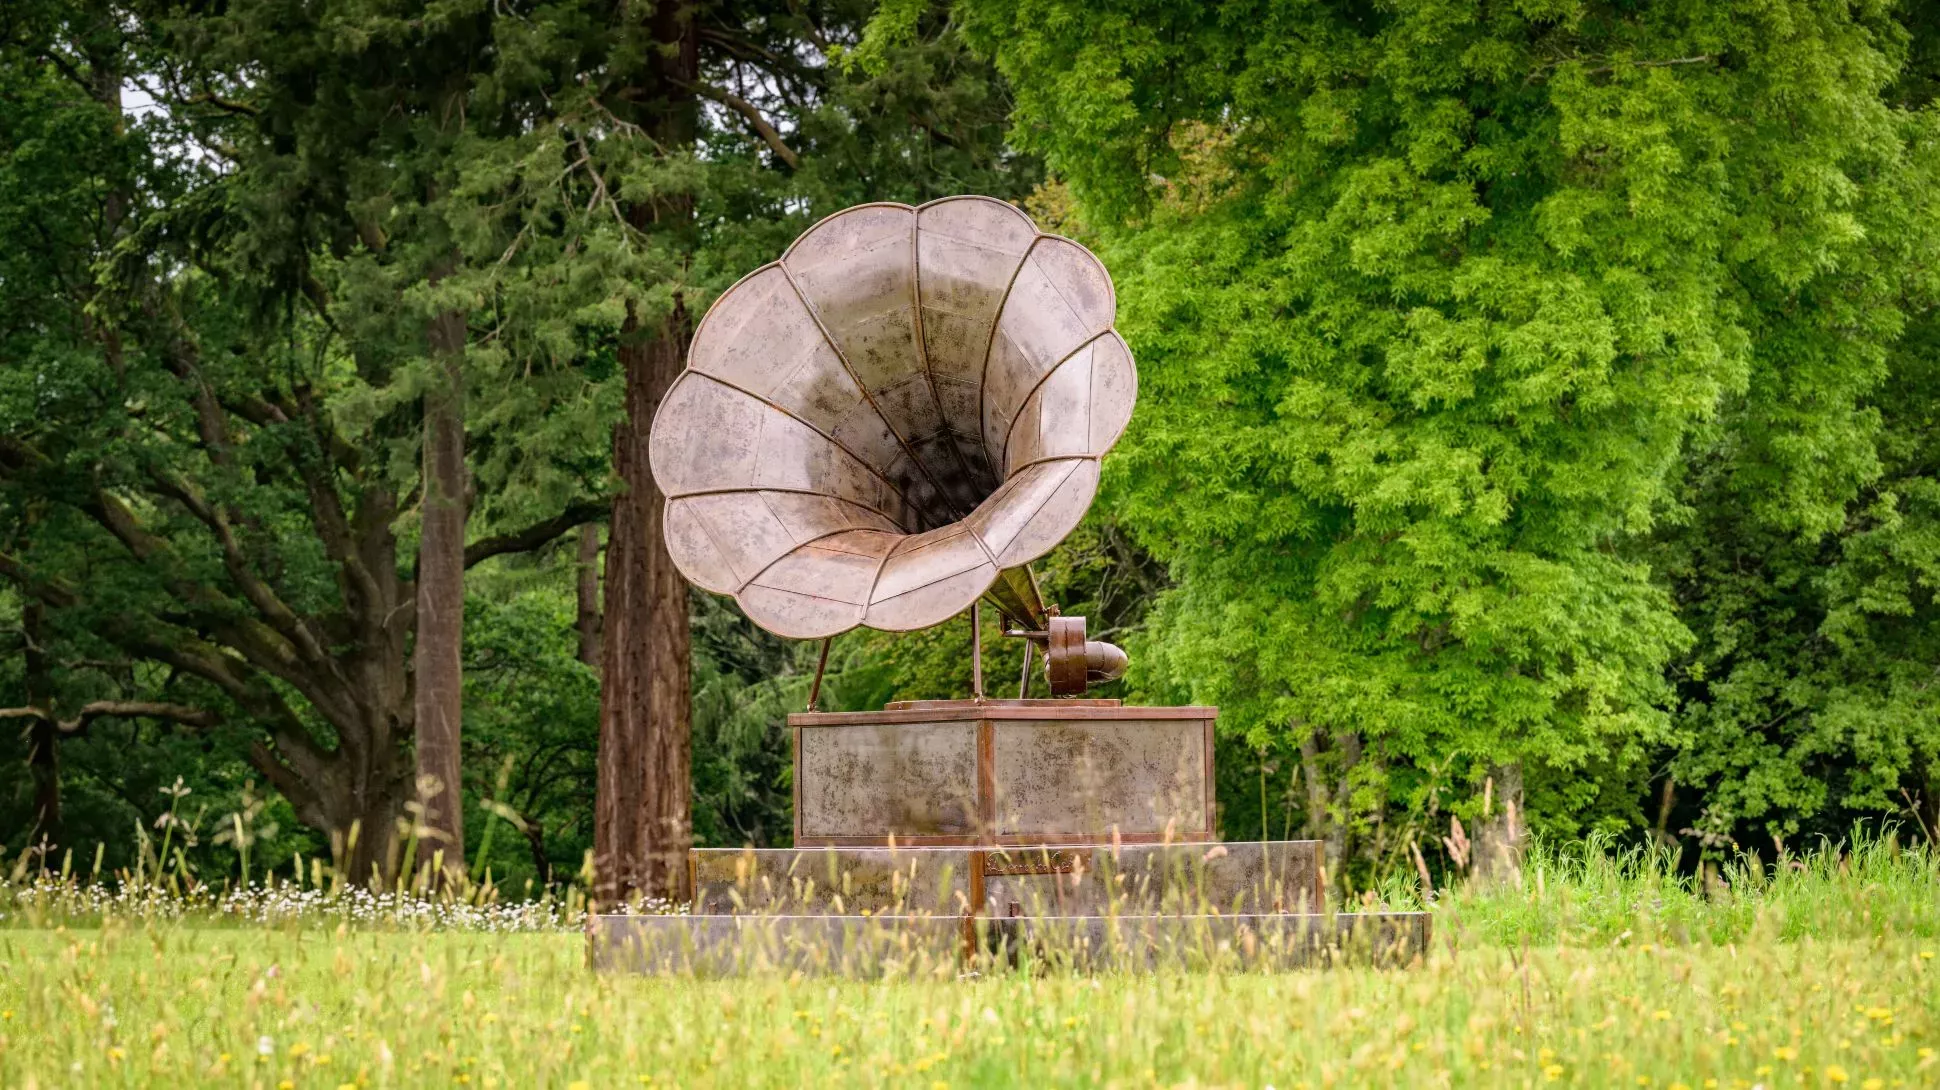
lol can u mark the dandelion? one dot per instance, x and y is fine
(1553, 1072)
(1785, 1053)
(1661, 1016)
(1835, 1073)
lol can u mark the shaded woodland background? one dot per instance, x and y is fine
(1538, 402)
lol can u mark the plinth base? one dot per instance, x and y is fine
(944, 947)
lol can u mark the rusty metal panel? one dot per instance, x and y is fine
(1278, 876)
(1133, 776)
(833, 881)
(1140, 943)
(723, 946)
(878, 781)
(1003, 772)
(941, 947)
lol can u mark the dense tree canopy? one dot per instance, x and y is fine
(1537, 401)
(1452, 318)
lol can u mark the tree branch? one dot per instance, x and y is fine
(52, 592)
(280, 616)
(521, 541)
(755, 120)
(124, 709)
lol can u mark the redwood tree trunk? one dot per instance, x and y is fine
(436, 662)
(642, 816)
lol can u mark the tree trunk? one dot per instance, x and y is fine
(437, 662)
(43, 734)
(642, 814)
(588, 572)
(1499, 835)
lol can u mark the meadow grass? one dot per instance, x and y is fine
(1593, 971)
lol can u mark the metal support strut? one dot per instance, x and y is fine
(976, 650)
(821, 664)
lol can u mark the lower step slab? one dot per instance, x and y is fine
(1234, 878)
(946, 946)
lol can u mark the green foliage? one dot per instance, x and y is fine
(1431, 305)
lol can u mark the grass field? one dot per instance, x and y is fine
(1592, 972)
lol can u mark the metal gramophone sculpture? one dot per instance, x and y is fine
(884, 428)
(893, 420)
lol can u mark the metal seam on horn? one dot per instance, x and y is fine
(876, 580)
(1045, 502)
(793, 492)
(821, 598)
(923, 348)
(833, 441)
(726, 557)
(1046, 377)
(996, 320)
(1048, 459)
(833, 216)
(829, 338)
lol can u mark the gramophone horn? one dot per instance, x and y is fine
(893, 419)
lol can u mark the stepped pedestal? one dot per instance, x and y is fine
(935, 836)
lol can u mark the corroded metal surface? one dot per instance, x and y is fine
(1273, 941)
(1003, 772)
(1075, 880)
(877, 946)
(1155, 879)
(908, 403)
(1138, 777)
(833, 881)
(718, 946)
(908, 780)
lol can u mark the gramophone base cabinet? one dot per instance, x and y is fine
(1003, 772)
(939, 836)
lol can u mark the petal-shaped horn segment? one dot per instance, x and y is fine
(905, 408)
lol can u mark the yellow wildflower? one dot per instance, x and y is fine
(1553, 1072)
(1786, 1054)
(1835, 1073)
